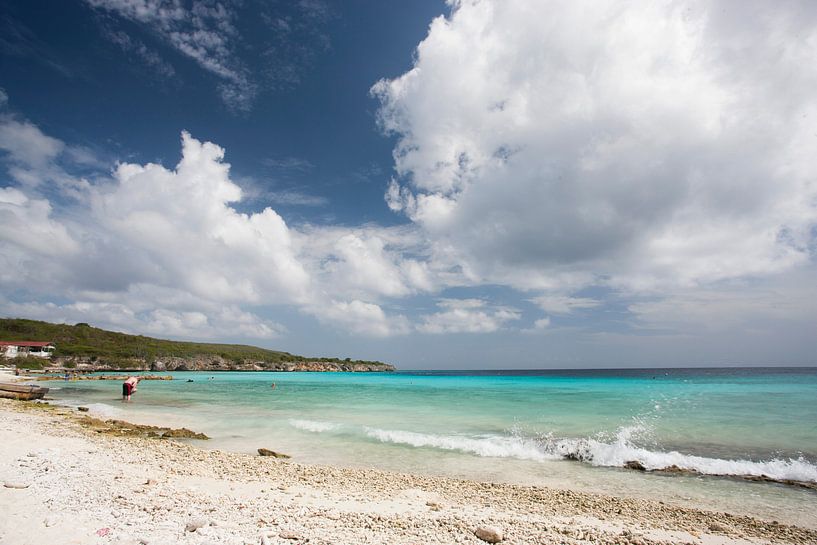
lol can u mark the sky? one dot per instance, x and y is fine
(439, 185)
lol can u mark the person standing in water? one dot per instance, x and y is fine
(128, 387)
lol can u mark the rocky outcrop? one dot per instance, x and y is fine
(218, 363)
(128, 429)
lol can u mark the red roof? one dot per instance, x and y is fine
(23, 343)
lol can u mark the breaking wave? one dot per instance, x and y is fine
(618, 452)
(493, 446)
(622, 451)
(315, 426)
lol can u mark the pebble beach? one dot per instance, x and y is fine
(65, 482)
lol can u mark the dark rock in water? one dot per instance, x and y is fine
(184, 433)
(767, 479)
(675, 469)
(82, 409)
(636, 465)
(267, 452)
(489, 534)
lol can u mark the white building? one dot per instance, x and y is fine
(12, 349)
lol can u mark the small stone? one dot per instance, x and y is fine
(636, 465)
(268, 452)
(195, 524)
(82, 409)
(20, 486)
(289, 535)
(489, 534)
(718, 527)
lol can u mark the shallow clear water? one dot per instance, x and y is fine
(559, 428)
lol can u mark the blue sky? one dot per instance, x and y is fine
(466, 185)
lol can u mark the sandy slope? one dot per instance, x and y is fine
(80, 484)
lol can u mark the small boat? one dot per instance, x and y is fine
(23, 392)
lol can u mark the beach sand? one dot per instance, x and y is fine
(65, 483)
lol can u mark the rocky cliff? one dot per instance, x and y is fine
(216, 363)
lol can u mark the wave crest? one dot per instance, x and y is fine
(315, 426)
(618, 452)
(490, 446)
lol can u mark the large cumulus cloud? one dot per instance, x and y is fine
(164, 251)
(557, 145)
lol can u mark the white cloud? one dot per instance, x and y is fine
(288, 163)
(214, 324)
(207, 32)
(758, 306)
(542, 323)
(34, 158)
(182, 223)
(34, 249)
(295, 198)
(141, 51)
(361, 318)
(204, 33)
(467, 316)
(367, 262)
(562, 304)
(26, 144)
(163, 250)
(27, 225)
(642, 146)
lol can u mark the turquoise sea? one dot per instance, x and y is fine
(570, 429)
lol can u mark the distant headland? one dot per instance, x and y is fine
(87, 348)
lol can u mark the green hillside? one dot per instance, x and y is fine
(85, 340)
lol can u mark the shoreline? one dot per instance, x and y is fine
(80, 481)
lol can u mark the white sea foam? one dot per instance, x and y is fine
(315, 426)
(593, 451)
(489, 445)
(621, 450)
